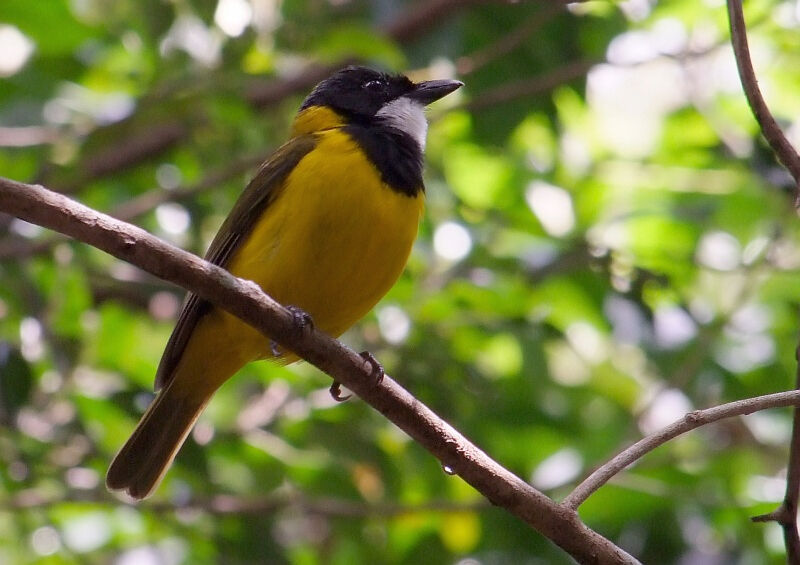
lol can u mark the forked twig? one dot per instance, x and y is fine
(689, 422)
(786, 514)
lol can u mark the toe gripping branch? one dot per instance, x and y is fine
(301, 320)
(376, 372)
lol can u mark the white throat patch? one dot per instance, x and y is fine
(408, 116)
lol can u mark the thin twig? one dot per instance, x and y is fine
(528, 87)
(135, 148)
(425, 15)
(18, 248)
(769, 127)
(508, 42)
(245, 300)
(791, 536)
(786, 514)
(689, 422)
(264, 94)
(147, 201)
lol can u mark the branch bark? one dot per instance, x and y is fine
(690, 421)
(506, 44)
(529, 87)
(786, 514)
(425, 15)
(244, 299)
(786, 154)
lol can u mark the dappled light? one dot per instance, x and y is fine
(607, 263)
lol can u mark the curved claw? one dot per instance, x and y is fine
(336, 392)
(301, 320)
(376, 369)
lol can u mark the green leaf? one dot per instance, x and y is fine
(479, 177)
(51, 24)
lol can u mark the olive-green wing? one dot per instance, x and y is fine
(256, 198)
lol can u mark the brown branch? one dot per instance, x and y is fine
(508, 42)
(245, 300)
(137, 148)
(689, 422)
(407, 27)
(128, 152)
(147, 201)
(18, 248)
(425, 15)
(529, 87)
(786, 513)
(264, 94)
(769, 127)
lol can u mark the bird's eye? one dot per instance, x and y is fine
(374, 85)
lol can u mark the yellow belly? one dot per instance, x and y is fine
(333, 243)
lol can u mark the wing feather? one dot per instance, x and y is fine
(268, 182)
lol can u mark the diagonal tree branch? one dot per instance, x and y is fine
(529, 86)
(427, 14)
(245, 300)
(507, 43)
(689, 422)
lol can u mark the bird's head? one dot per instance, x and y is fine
(363, 96)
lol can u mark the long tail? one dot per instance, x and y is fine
(144, 459)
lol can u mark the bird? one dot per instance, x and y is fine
(325, 227)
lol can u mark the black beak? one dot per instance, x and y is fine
(431, 90)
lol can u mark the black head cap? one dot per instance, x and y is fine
(358, 92)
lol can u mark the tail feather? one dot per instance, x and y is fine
(144, 459)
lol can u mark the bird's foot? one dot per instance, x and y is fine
(336, 392)
(376, 369)
(376, 372)
(301, 320)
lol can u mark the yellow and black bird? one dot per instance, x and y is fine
(326, 226)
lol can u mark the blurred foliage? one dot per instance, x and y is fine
(603, 251)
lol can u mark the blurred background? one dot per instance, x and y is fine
(608, 244)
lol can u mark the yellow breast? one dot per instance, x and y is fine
(335, 240)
